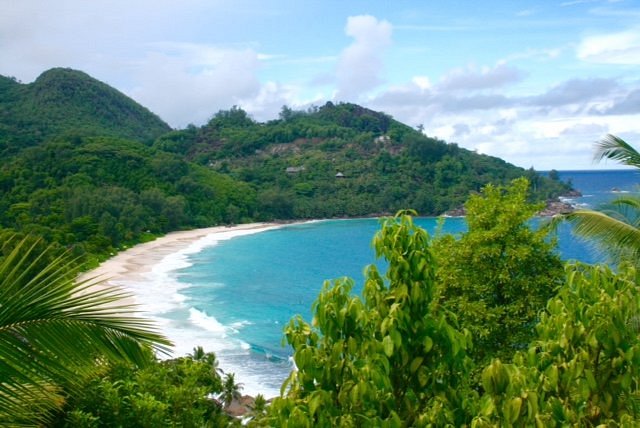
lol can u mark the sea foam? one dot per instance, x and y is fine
(158, 295)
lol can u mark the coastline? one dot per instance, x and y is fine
(138, 260)
(144, 273)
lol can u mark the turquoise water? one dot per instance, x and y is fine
(236, 296)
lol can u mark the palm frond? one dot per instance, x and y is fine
(626, 209)
(28, 406)
(53, 329)
(616, 236)
(614, 148)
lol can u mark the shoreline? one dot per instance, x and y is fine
(143, 273)
(134, 262)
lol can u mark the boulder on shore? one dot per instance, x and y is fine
(555, 207)
(240, 406)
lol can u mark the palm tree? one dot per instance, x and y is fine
(230, 389)
(55, 330)
(259, 406)
(617, 229)
(198, 354)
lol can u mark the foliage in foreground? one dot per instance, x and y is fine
(498, 275)
(180, 392)
(392, 358)
(55, 330)
(388, 359)
(584, 367)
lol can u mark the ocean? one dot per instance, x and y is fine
(235, 296)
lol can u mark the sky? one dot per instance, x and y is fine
(536, 83)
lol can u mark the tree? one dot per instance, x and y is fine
(198, 354)
(259, 407)
(230, 389)
(388, 358)
(617, 230)
(54, 331)
(175, 392)
(583, 369)
(499, 274)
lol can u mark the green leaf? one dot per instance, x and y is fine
(387, 344)
(314, 402)
(53, 329)
(591, 380)
(515, 404)
(428, 344)
(415, 364)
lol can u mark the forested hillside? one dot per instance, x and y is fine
(444, 337)
(343, 160)
(87, 168)
(69, 102)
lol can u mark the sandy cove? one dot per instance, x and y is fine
(136, 261)
(137, 264)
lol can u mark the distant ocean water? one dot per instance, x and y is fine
(235, 297)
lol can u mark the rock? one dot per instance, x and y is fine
(555, 207)
(240, 406)
(572, 194)
(456, 212)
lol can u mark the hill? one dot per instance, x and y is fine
(343, 160)
(87, 168)
(69, 102)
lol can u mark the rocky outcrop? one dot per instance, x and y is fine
(555, 207)
(240, 406)
(456, 212)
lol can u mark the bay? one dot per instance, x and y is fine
(239, 294)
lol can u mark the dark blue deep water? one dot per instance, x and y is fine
(237, 295)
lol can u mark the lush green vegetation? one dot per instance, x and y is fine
(185, 392)
(405, 354)
(87, 168)
(400, 356)
(96, 194)
(69, 102)
(390, 358)
(482, 329)
(55, 331)
(499, 274)
(343, 160)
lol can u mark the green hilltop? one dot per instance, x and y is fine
(62, 101)
(88, 168)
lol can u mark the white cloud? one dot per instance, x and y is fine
(268, 103)
(629, 104)
(189, 83)
(553, 129)
(585, 130)
(421, 82)
(575, 91)
(94, 36)
(186, 60)
(472, 78)
(360, 64)
(614, 48)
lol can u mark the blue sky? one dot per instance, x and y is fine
(535, 83)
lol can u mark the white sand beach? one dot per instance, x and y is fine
(146, 273)
(134, 262)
